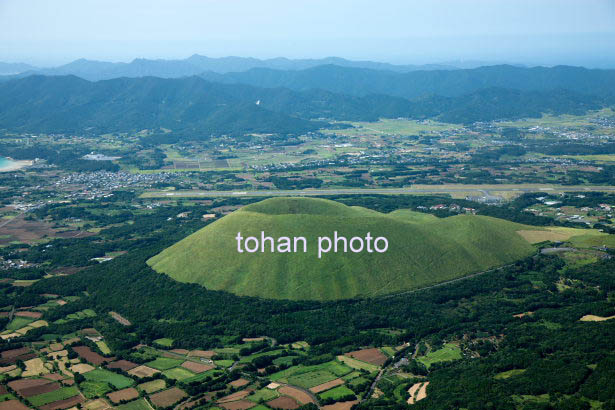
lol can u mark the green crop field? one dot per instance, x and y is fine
(103, 347)
(60, 394)
(18, 323)
(165, 341)
(257, 407)
(224, 363)
(164, 363)
(333, 368)
(388, 350)
(449, 352)
(92, 389)
(357, 364)
(311, 379)
(352, 375)
(134, 405)
(263, 394)
(422, 250)
(336, 393)
(202, 376)
(178, 373)
(116, 380)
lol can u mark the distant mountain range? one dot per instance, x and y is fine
(198, 108)
(15, 68)
(197, 64)
(450, 83)
(200, 96)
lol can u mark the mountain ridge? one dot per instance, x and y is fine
(199, 107)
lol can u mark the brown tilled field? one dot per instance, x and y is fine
(21, 384)
(299, 395)
(54, 376)
(43, 388)
(124, 394)
(207, 354)
(63, 404)
(168, 397)
(283, 402)
(238, 405)
(196, 367)
(13, 405)
(22, 230)
(372, 356)
(87, 354)
(326, 386)
(344, 405)
(235, 396)
(27, 313)
(9, 354)
(123, 365)
(239, 383)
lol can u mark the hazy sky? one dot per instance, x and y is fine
(50, 32)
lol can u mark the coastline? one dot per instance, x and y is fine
(15, 165)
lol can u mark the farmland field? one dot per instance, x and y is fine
(263, 394)
(329, 369)
(60, 394)
(18, 323)
(103, 347)
(311, 379)
(326, 386)
(91, 389)
(134, 405)
(167, 397)
(357, 364)
(247, 359)
(153, 386)
(337, 393)
(117, 380)
(203, 376)
(125, 394)
(372, 356)
(166, 342)
(449, 352)
(164, 363)
(224, 363)
(178, 373)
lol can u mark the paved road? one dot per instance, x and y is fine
(480, 190)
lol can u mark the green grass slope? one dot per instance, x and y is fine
(423, 250)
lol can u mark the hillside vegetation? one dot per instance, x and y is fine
(423, 250)
(199, 108)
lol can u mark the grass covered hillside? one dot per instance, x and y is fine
(422, 250)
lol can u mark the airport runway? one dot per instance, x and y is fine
(478, 190)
